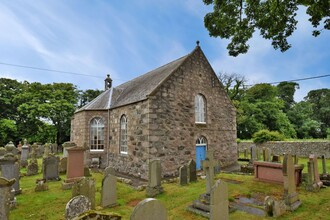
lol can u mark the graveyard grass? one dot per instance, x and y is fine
(51, 204)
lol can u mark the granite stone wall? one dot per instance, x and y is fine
(173, 131)
(135, 162)
(302, 149)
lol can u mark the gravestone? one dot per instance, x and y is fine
(50, 168)
(192, 173)
(76, 206)
(109, 191)
(183, 175)
(149, 209)
(63, 165)
(276, 159)
(32, 169)
(40, 150)
(253, 152)
(109, 170)
(219, 205)
(10, 170)
(75, 166)
(267, 153)
(24, 154)
(313, 178)
(5, 197)
(258, 153)
(11, 149)
(290, 196)
(66, 146)
(85, 187)
(208, 166)
(274, 208)
(2, 152)
(46, 150)
(154, 178)
(246, 152)
(325, 177)
(295, 159)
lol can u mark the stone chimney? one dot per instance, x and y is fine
(107, 82)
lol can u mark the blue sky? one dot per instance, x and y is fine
(128, 38)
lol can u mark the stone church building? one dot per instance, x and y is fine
(173, 113)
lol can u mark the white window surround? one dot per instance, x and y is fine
(200, 109)
(97, 135)
(123, 135)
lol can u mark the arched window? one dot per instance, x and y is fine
(123, 135)
(200, 109)
(97, 134)
(201, 141)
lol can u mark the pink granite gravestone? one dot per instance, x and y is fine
(75, 166)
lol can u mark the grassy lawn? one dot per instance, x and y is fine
(51, 204)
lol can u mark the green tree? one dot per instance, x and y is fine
(233, 84)
(87, 95)
(286, 91)
(237, 20)
(8, 131)
(320, 100)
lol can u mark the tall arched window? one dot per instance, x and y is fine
(123, 135)
(200, 109)
(97, 134)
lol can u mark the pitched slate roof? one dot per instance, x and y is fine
(134, 90)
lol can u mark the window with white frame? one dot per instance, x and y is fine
(97, 134)
(123, 135)
(200, 109)
(201, 141)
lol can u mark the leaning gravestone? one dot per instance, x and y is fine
(253, 152)
(50, 168)
(154, 179)
(5, 197)
(109, 191)
(290, 196)
(219, 205)
(76, 206)
(313, 178)
(85, 187)
(149, 209)
(183, 175)
(10, 169)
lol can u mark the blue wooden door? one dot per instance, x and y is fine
(200, 155)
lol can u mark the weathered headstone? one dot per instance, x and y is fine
(50, 168)
(154, 179)
(219, 205)
(313, 178)
(67, 145)
(295, 159)
(40, 150)
(324, 166)
(267, 153)
(5, 197)
(258, 153)
(11, 149)
(10, 170)
(32, 168)
(85, 187)
(63, 165)
(109, 170)
(208, 166)
(274, 208)
(253, 152)
(46, 150)
(109, 191)
(76, 206)
(192, 173)
(290, 196)
(149, 209)
(183, 175)
(24, 154)
(246, 152)
(33, 153)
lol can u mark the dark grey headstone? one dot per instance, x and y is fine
(192, 171)
(50, 168)
(183, 175)
(109, 191)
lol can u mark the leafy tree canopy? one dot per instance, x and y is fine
(237, 20)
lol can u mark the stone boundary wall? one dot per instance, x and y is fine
(301, 149)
